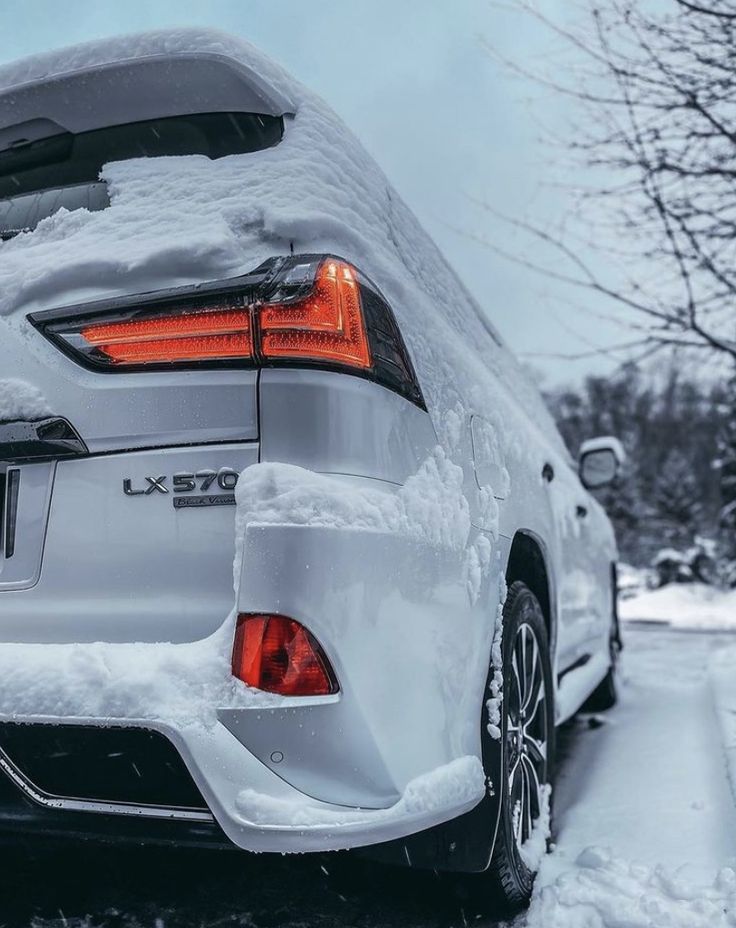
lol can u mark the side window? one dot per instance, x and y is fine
(488, 458)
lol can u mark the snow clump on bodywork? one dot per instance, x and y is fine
(430, 506)
(21, 401)
(454, 784)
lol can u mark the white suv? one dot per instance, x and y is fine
(225, 341)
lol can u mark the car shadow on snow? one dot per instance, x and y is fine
(577, 743)
(72, 886)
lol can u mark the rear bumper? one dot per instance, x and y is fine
(394, 753)
(270, 815)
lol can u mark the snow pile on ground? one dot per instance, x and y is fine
(645, 825)
(534, 848)
(684, 605)
(21, 400)
(460, 782)
(606, 892)
(632, 580)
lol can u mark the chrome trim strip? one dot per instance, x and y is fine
(89, 805)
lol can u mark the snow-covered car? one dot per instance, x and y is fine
(292, 556)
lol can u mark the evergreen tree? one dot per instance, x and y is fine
(676, 499)
(670, 426)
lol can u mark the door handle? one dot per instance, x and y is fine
(581, 512)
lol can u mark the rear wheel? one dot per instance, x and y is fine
(527, 734)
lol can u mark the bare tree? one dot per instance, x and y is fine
(655, 94)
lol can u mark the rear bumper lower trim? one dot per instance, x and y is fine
(69, 804)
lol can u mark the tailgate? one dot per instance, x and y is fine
(103, 537)
(121, 547)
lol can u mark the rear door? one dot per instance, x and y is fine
(582, 597)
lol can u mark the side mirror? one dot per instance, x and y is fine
(600, 461)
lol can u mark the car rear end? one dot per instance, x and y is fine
(140, 680)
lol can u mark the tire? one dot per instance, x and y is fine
(527, 742)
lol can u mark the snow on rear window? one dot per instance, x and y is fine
(65, 159)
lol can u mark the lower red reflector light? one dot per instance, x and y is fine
(278, 655)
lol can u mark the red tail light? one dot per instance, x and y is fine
(278, 655)
(194, 336)
(326, 324)
(298, 310)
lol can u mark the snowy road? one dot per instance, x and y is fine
(650, 783)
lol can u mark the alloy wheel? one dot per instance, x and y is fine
(526, 734)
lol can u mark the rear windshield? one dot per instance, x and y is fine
(65, 160)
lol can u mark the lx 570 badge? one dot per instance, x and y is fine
(225, 479)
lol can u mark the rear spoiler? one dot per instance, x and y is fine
(135, 90)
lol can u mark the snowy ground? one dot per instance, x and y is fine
(649, 788)
(685, 605)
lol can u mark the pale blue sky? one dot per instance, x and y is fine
(411, 78)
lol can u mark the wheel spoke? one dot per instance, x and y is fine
(524, 665)
(535, 785)
(535, 671)
(535, 684)
(514, 771)
(517, 678)
(527, 806)
(537, 749)
(516, 797)
(538, 700)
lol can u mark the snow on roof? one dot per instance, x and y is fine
(668, 554)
